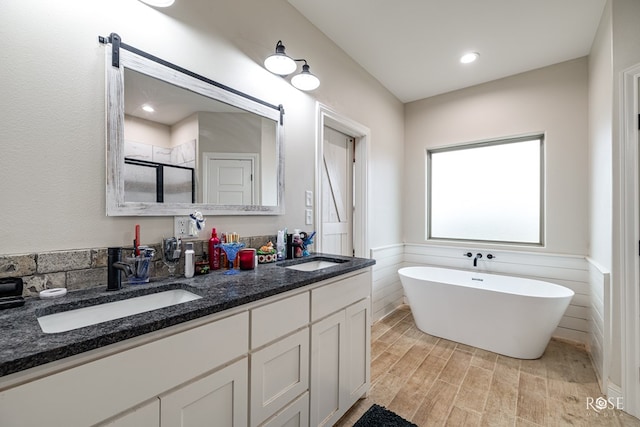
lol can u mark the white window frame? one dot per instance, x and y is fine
(479, 144)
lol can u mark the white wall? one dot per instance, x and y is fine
(146, 132)
(552, 100)
(600, 128)
(600, 189)
(52, 109)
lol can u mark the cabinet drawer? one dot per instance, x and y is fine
(294, 415)
(336, 296)
(279, 373)
(279, 318)
(147, 415)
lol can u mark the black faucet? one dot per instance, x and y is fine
(114, 267)
(475, 260)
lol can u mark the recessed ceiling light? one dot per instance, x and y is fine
(148, 108)
(469, 57)
(158, 3)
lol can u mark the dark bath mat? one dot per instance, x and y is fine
(379, 416)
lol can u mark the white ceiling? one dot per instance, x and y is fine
(413, 46)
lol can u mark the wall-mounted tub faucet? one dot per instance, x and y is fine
(475, 260)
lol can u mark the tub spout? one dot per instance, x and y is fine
(475, 260)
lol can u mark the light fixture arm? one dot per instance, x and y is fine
(281, 64)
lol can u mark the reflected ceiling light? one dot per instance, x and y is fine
(148, 108)
(468, 58)
(281, 64)
(158, 3)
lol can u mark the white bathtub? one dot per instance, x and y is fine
(507, 315)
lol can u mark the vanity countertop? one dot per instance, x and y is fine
(23, 345)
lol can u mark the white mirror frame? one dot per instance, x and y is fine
(116, 205)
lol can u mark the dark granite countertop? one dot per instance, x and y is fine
(23, 345)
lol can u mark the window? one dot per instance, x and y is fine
(490, 191)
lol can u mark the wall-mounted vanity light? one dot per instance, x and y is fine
(281, 64)
(158, 3)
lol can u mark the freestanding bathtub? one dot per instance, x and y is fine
(508, 315)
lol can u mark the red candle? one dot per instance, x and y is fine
(247, 259)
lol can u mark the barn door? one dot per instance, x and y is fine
(337, 193)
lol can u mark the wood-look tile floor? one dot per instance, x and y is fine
(435, 382)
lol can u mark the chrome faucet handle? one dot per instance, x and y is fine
(490, 256)
(468, 254)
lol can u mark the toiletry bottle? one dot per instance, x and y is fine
(297, 245)
(214, 251)
(223, 254)
(290, 250)
(281, 244)
(189, 261)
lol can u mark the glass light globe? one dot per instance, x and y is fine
(305, 80)
(280, 64)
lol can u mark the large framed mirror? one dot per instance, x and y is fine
(178, 142)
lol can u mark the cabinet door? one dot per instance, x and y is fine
(279, 373)
(358, 361)
(147, 415)
(328, 343)
(220, 399)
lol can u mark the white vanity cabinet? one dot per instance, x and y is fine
(295, 359)
(317, 363)
(340, 347)
(279, 369)
(119, 385)
(219, 398)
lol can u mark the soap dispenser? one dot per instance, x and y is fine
(189, 261)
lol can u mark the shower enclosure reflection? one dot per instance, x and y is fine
(169, 131)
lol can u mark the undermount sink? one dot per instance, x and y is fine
(313, 265)
(86, 316)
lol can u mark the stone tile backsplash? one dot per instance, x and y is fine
(85, 268)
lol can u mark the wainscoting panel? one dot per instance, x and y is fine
(387, 289)
(567, 270)
(599, 280)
